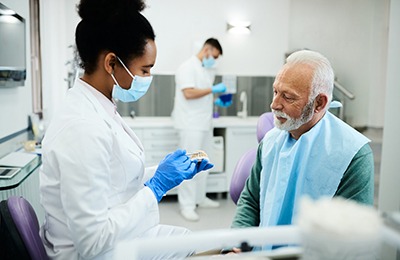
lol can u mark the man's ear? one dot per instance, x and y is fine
(321, 101)
(110, 61)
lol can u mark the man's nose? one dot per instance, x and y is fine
(276, 104)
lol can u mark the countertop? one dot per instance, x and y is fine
(7, 184)
(158, 122)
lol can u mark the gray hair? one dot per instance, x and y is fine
(323, 78)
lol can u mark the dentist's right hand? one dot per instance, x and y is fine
(175, 168)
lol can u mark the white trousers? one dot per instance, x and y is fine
(192, 192)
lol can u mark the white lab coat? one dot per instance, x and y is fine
(193, 119)
(91, 182)
(193, 114)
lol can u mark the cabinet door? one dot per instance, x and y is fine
(158, 142)
(238, 140)
(155, 157)
(160, 133)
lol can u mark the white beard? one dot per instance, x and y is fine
(294, 123)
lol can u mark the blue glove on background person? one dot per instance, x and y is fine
(172, 170)
(218, 88)
(221, 103)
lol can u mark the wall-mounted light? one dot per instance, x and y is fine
(9, 19)
(238, 27)
(4, 10)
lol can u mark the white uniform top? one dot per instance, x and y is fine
(91, 181)
(193, 114)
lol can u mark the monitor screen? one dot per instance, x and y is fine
(13, 49)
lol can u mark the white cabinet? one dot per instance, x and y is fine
(160, 138)
(238, 140)
(158, 142)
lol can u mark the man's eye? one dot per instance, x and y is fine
(287, 97)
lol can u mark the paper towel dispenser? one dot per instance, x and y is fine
(13, 48)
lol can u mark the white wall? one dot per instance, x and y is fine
(353, 36)
(54, 48)
(389, 192)
(16, 102)
(180, 24)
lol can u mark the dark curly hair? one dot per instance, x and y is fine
(116, 26)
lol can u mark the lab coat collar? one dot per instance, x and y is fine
(194, 57)
(114, 123)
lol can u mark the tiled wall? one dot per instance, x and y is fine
(160, 98)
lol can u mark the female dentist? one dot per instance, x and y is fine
(92, 182)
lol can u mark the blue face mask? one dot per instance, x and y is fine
(208, 62)
(139, 87)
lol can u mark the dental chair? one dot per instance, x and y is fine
(243, 167)
(20, 230)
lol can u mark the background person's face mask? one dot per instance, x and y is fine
(139, 87)
(208, 62)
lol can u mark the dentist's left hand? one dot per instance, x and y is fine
(175, 168)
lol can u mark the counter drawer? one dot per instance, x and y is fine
(169, 145)
(216, 182)
(166, 133)
(154, 157)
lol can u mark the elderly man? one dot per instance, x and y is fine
(309, 152)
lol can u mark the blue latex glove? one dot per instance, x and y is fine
(203, 165)
(175, 168)
(219, 88)
(221, 103)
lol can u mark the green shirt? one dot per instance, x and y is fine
(357, 184)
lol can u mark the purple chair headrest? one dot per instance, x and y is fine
(241, 172)
(25, 220)
(264, 124)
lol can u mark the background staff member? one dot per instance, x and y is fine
(192, 116)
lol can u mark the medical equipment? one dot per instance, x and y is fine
(217, 154)
(230, 82)
(217, 239)
(207, 240)
(13, 48)
(8, 173)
